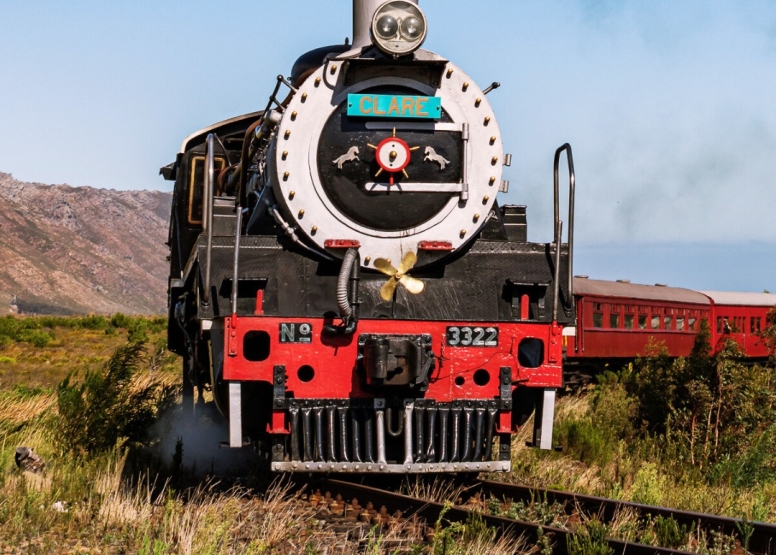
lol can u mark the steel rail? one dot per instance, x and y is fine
(432, 511)
(761, 542)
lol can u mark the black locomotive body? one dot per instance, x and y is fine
(343, 279)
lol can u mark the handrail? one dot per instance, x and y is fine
(572, 189)
(236, 267)
(207, 212)
(556, 279)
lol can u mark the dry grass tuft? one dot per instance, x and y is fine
(439, 490)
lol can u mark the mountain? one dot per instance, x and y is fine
(82, 250)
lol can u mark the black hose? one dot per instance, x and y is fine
(342, 284)
(347, 294)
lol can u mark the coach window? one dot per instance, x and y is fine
(691, 324)
(629, 321)
(598, 319)
(667, 322)
(614, 321)
(755, 324)
(719, 324)
(642, 321)
(655, 323)
(680, 323)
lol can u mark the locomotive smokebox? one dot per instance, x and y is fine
(363, 11)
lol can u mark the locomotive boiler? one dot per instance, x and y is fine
(343, 279)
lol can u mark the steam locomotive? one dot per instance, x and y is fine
(342, 278)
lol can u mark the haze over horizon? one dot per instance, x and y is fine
(668, 106)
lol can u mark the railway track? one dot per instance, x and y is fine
(482, 496)
(760, 537)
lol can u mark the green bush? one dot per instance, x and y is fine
(105, 407)
(120, 320)
(93, 322)
(35, 337)
(591, 540)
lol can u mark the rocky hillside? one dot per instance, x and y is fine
(79, 250)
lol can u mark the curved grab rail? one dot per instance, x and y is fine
(557, 229)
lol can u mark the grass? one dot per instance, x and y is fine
(109, 489)
(703, 443)
(130, 493)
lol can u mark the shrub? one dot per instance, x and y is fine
(590, 541)
(93, 322)
(138, 330)
(120, 320)
(108, 405)
(35, 337)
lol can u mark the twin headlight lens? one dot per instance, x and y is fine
(398, 27)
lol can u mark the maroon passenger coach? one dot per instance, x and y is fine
(617, 319)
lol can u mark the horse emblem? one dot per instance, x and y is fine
(349, 156)
(432, 156)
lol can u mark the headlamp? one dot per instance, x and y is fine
(398, 28)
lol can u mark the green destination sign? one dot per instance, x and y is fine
(395, 106)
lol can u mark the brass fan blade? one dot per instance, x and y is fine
(407, 262)
(413, 285)
(385, 267)
(388, 288)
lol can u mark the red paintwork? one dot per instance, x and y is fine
(606, 343)
(334, 358)
(740, 323)
(435, 246)
(341, 244)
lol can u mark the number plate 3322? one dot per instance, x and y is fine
(467, 336)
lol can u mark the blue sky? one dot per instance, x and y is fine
(670, 108)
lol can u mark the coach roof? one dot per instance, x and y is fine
(727, 298)
(600, 288)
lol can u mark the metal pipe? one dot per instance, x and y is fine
(491, 426)
(465, 184)
(318, 414)
(455, 436)
(466, 454)
(343, 435)
(289, 230)
(355, 427)
(419, 434)
(572, 194)
(236, 267)
(479, 430)
(430, 452)
(389, 419)
(369, 436)
(331, 434)
(556, 283)
(444, 418)
(207, 212)
(380, 436)
(408, 433)
(307, 434)
(294, 412)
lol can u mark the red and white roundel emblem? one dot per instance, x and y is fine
(393, 154)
